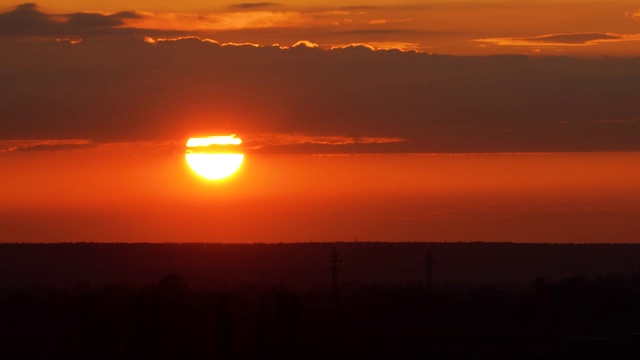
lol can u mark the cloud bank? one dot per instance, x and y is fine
(347, 99)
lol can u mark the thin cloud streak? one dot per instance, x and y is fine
(221, 21)
(572, 39)
(278, 139)
(257, 5)
(10, 146)
(381, 45)
(27, 19)
(252, 141)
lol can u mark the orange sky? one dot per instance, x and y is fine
(350, 113)
(134, 192)
(465, 27)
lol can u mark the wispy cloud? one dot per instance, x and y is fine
(156, 40)
(387, 31)
(92, 20)
(224, 21)
(278, 139)
(387, 21)
(257, 5)
(72, 41)
(27, 19)
(251, 142)
(386, 7)
(305, 43)
(359, 7)
(563, 39)
(9, 146)
(371, 46)
(380, 45)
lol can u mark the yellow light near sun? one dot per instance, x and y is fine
(212, 157)
(214, 140)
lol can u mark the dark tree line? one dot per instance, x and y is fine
(571, 318)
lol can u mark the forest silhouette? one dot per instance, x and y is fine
(89, 309)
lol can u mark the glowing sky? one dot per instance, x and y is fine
(464, 27)
(145, 192)
(537, 99)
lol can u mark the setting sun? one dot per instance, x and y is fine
(214, 157)
(496, 139)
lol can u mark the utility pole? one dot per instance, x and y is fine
(335, 261)
(334, 270)
(428, 261)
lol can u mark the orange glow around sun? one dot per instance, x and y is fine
(214, 157)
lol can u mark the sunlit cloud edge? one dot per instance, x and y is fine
(578, 39)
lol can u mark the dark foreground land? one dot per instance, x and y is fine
(196, 301)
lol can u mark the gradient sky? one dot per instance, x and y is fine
(421, 121)
(464, 27)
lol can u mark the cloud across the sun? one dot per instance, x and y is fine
(358, 85)
(354, 98)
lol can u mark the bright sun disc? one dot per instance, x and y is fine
(213, 157)
(214, 166)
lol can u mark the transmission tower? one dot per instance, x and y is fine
(428, 262)
(335, 261)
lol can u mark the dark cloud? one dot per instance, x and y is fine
(133, 91)
(44, 145)
(55, 148)
(376, 31)
(252, 6)
(384, 8)
(26, 19)
(93, 20)
(395, 31)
